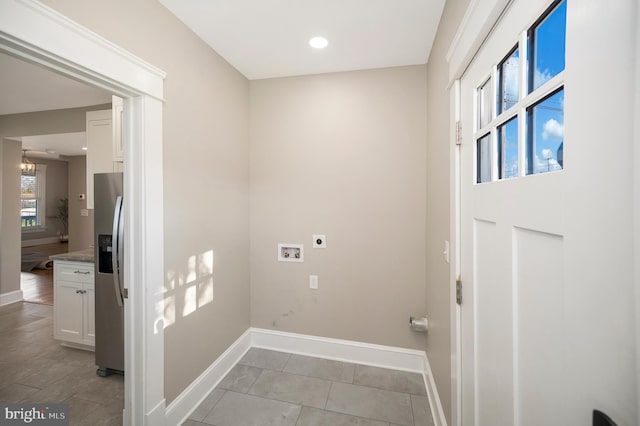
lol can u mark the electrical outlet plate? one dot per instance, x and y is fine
(313, 282)
(319, 241)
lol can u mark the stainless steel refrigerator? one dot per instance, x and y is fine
(109, 289)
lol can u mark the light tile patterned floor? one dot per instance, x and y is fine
(35, 368)
(281, 389)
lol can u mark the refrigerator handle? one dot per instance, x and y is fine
(115, 245)
(123, 293)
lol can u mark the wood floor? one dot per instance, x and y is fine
(37, 285)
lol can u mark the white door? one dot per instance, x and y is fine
(547, 313)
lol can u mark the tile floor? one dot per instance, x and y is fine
(35, 368)
(281, 389)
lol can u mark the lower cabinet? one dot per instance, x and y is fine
(74, 303)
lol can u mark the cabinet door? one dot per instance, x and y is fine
(89, 317)
(99, 147)
(68, 311)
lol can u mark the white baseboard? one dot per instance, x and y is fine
(439, 419)
(339, 350)
(180, 408)
(320, 347)
(157, 415)
(12, 297)
(40, 241)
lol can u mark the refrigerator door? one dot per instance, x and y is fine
(109, 310)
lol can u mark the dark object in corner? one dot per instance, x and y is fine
(601, 419)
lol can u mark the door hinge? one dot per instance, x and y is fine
(125, 293)
(458, 132)
(459, 290)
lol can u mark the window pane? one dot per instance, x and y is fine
(484, 104)
(28, 213)
(28, 186)
(484, 159)
(28, 201)
(547, 46)
(509, 71)
(545, 134)
(508, 149)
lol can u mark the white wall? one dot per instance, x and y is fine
(343, 155)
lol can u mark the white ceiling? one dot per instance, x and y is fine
(269, 38)
(53, 146)
(25, 87)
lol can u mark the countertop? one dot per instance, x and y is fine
(75, 256)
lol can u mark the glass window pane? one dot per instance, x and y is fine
(28, 212)
(545, 134)
(508, 149)
(485, 97)
(509, 72)
(483, 152)
(547, 46)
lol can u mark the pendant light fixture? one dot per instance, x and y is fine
(27, 167)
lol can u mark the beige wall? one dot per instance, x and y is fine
(56, 185)
(206, 177)
(80, 227)
(69, 120)
(10, 216)
(342, 155)
(438, 212)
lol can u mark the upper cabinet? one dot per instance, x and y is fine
(104, 143)
(117, 106)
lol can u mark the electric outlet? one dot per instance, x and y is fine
(84, 212)
(313, 282)
(319, 241)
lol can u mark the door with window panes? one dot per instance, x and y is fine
(543, 254)
(512, 110)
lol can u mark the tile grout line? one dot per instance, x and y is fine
(328, 393)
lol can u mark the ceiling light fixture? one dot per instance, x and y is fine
(27, 167)
(318, 42)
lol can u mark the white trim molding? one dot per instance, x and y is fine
(36, 33)
(476, 25)
(339, 350)
(25, 25)
(11, 297)
(319, 347)
(439, 418)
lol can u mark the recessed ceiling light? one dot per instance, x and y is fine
(318, 42)
(84, 148)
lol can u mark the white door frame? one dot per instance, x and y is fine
(36, 33)
(474, 28)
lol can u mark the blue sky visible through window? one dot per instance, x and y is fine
(508, 134)
(544, 120)
(547, 117)
(548, 54)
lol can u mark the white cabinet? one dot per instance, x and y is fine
(105, 144)
(74, 303)
(117, 105)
